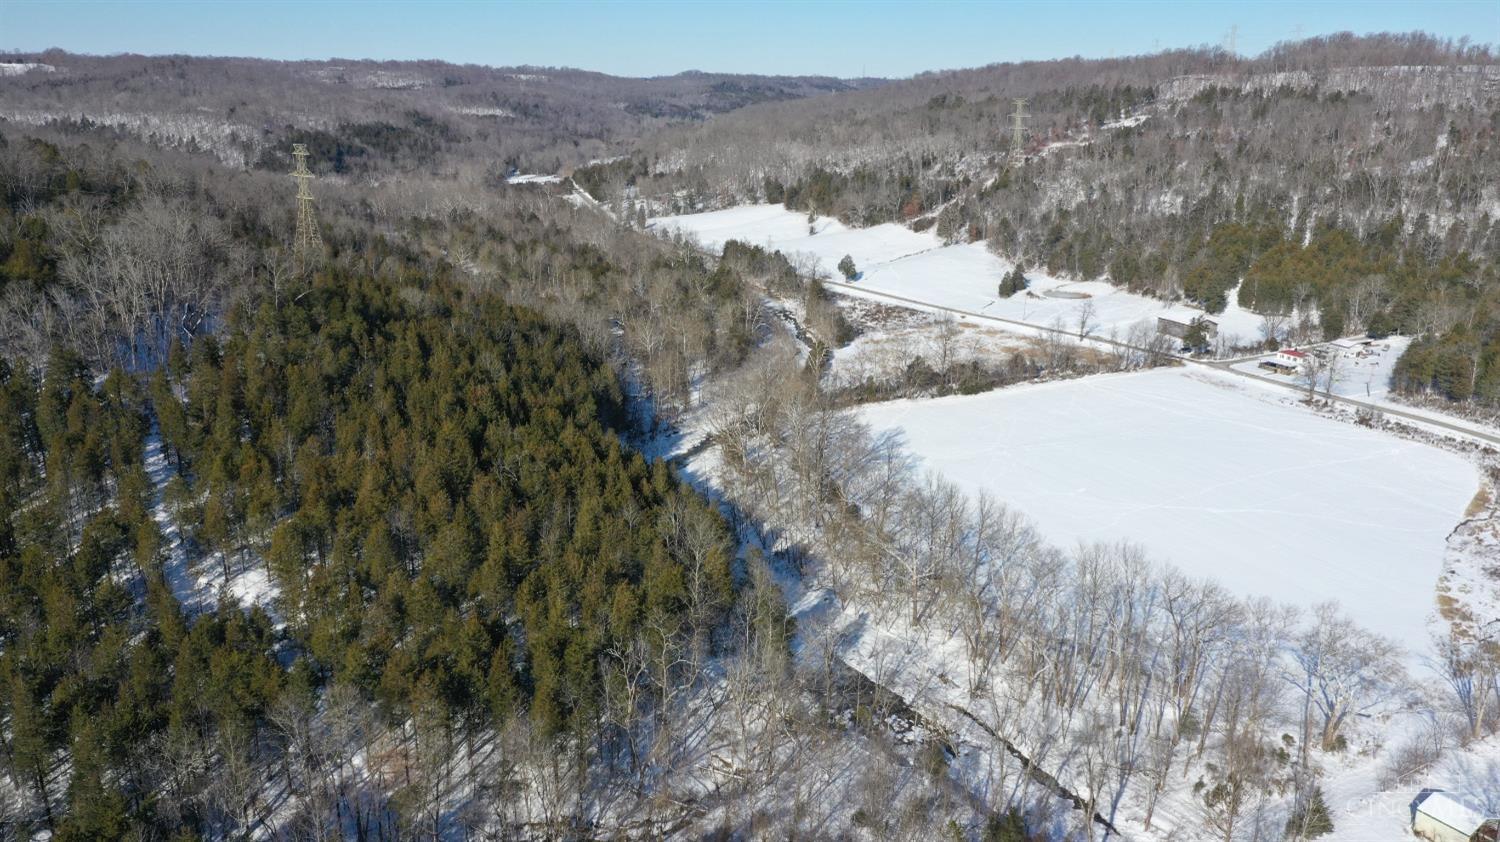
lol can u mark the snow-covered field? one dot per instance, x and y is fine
(897, 261)
(1266, 499)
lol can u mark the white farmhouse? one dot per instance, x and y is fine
(1285, 361)
(1290, 358)
(1440, 817)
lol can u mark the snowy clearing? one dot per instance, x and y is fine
(533, 178)
(1266, 499)
(885, 354)
(896, 260)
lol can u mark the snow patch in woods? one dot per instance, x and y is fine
(1266, 499)
(1126, 122)
(200, 583)
(482, 111)
(16, 68)
(227, 141)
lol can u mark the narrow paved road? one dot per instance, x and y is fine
(1219, 365)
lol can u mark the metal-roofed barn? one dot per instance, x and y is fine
(1441, 817)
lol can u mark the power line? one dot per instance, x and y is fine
(307, 246)
(1018, 129)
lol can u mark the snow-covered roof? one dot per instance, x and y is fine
(1451, 812)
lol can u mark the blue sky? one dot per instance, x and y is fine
(668, 36)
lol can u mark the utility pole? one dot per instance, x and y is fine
(1018, 130)
(307, 246)
(1231, 38)
(1296, 39)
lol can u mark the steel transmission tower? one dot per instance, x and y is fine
(1018, 130)
(308, 245)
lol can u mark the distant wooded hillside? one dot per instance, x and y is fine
(1353, 179)
(366, 115)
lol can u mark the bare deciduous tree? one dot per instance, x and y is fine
(1343, 670)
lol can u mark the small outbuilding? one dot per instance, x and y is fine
(1441, 817)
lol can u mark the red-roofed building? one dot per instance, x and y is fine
(1286, 361)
